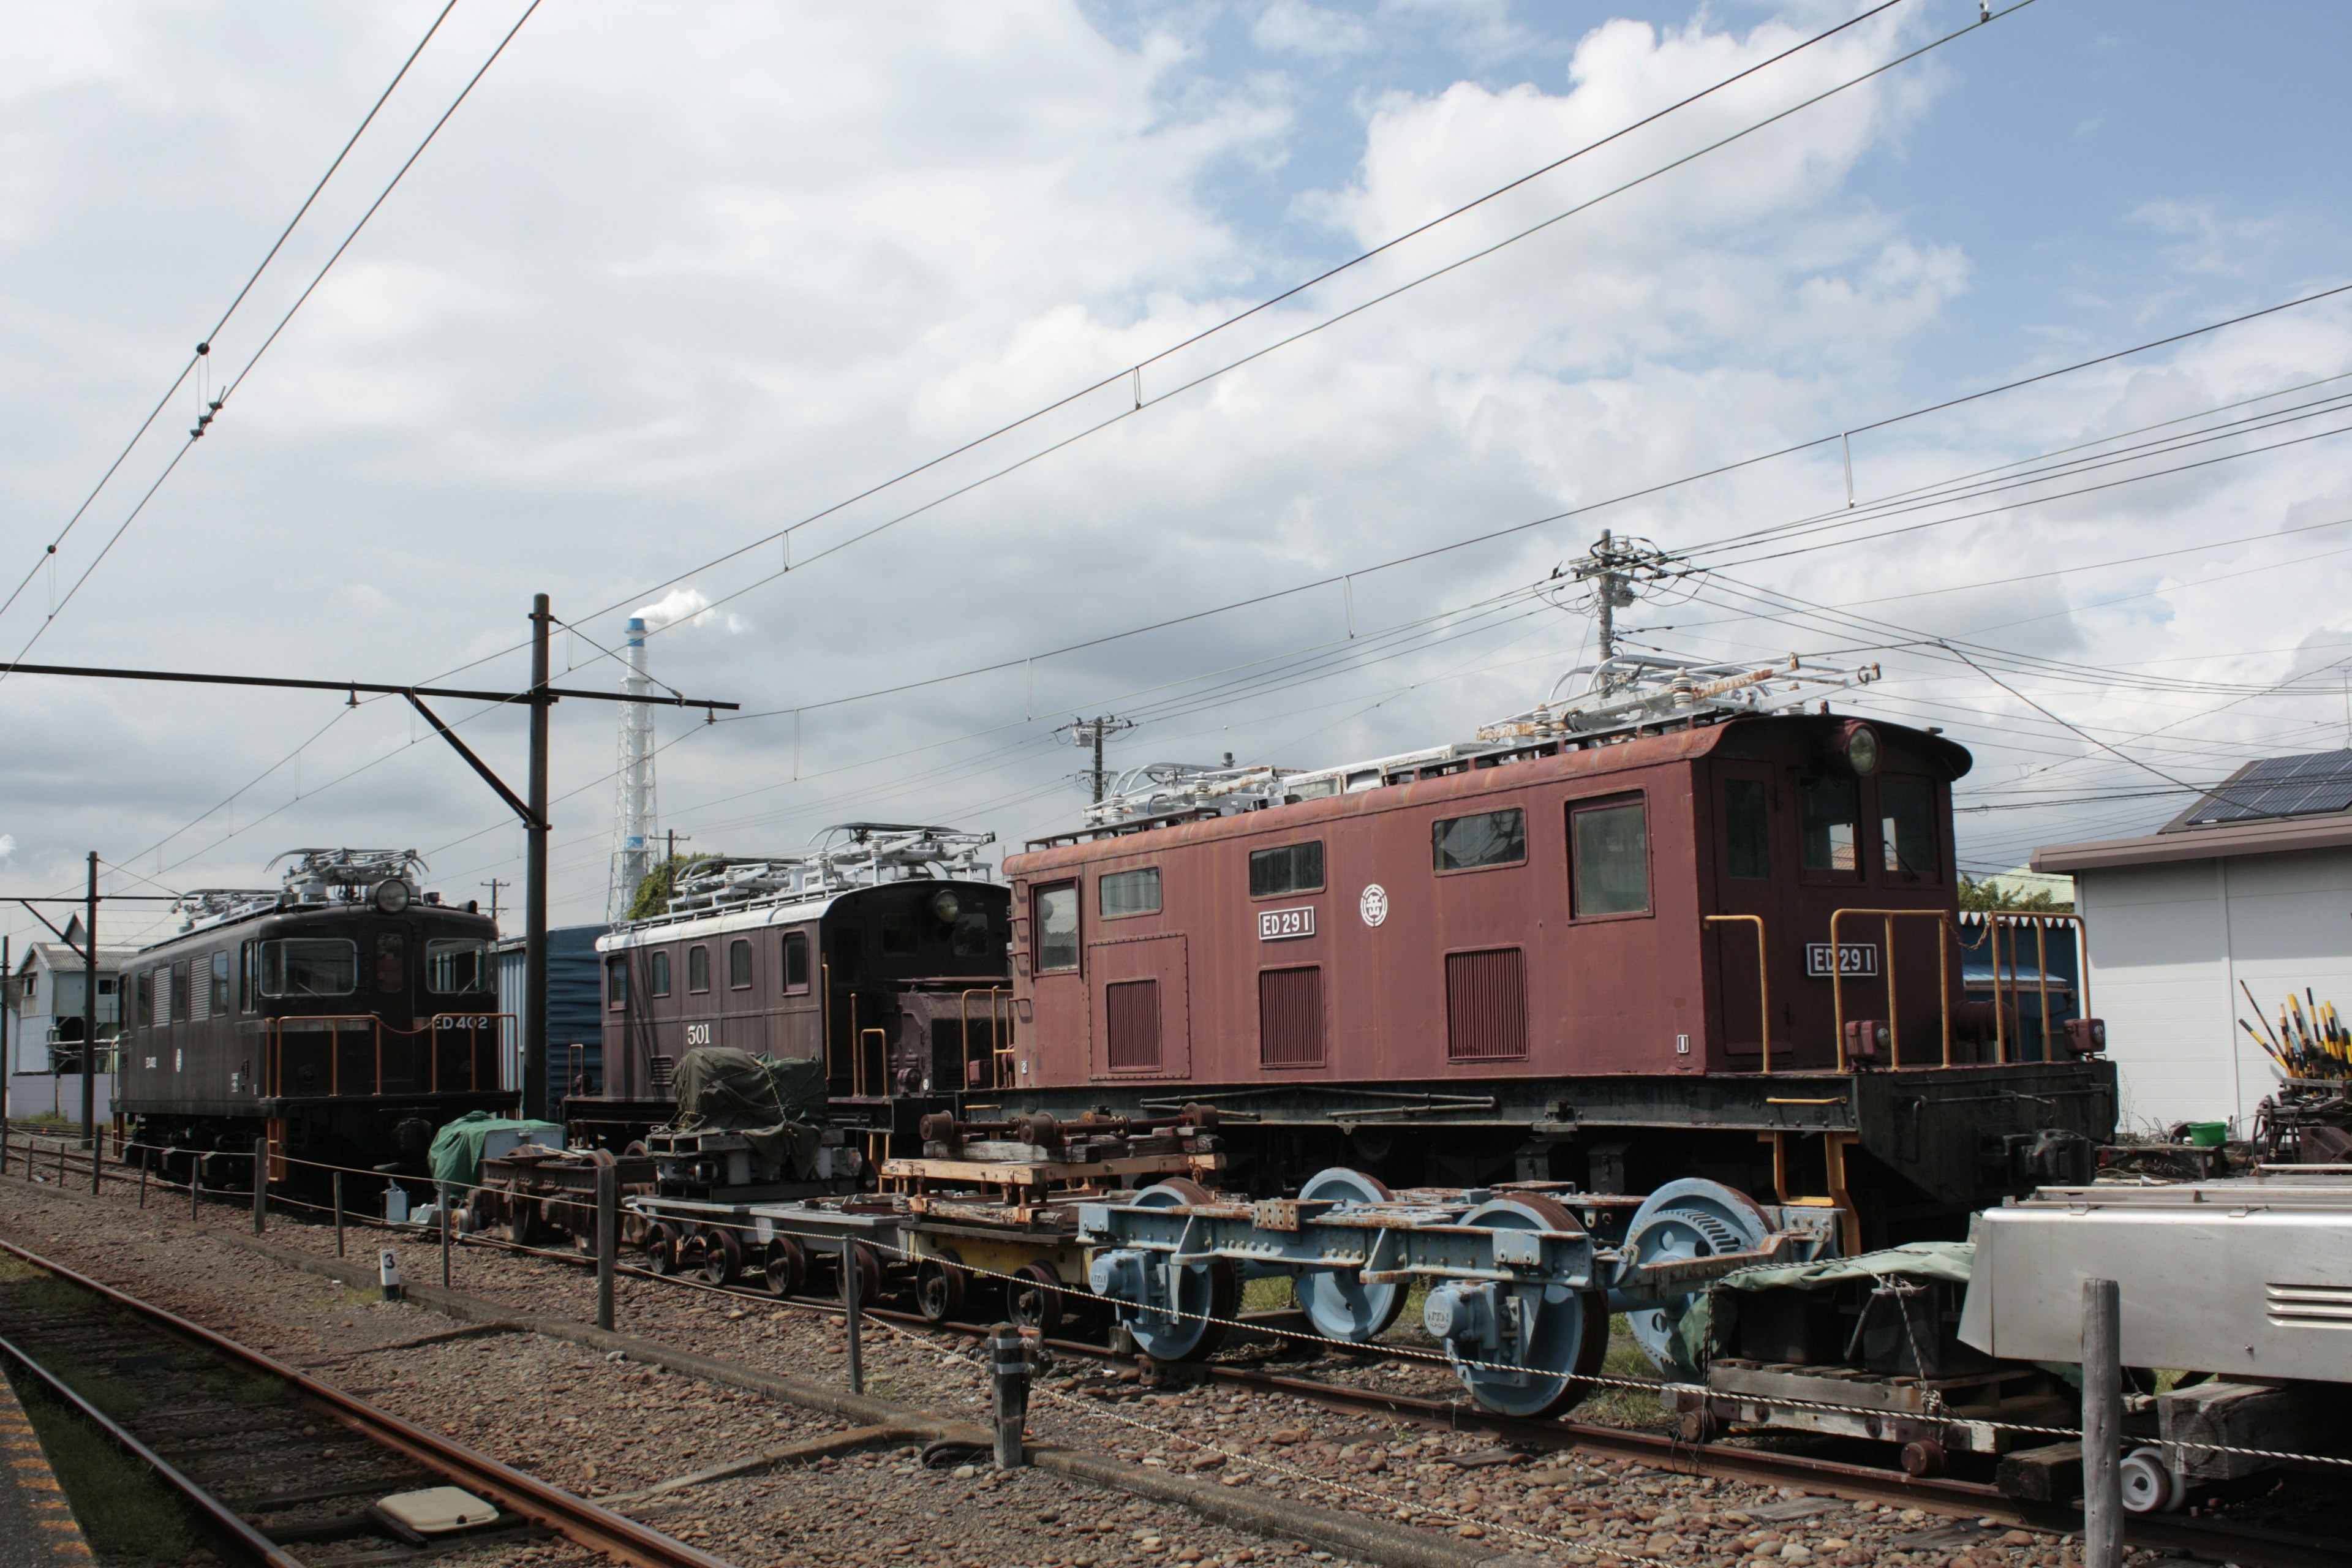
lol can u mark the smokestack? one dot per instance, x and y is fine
(633, 852)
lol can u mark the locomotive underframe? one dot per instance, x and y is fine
(349, 1130)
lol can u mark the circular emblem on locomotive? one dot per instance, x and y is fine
(1374, 905)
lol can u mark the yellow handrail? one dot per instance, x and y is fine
(1763, 984)
(1893, 1021)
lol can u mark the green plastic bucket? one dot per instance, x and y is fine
(2208, 1134)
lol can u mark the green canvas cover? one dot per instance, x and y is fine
(1692, 1345)
(777, 1105)
(456, 1157)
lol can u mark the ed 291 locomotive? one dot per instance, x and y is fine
(345, 1015)
(1660, 933)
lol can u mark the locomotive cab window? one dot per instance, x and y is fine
(145, 1012)
(220, 982)
(795, 961)
(1490, 838)
(901, 937)
(739, 965)
(1057, 928)
(698, 969)
(657, 972)
(180, 991)
(248, 977)
(1747, 829)
(971, 935)
(1608, 858)
(1907, 828)
(616, 981)
(456, 964)
(1130, 893)
(1292, 868)
(309, 966)
(1830, 820)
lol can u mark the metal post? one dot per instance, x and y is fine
(61, 1162)
(143, 1178)
(195, 1183)
(849, 1288)
(90, 1023)
(8, 1061)
(261, 1185)
(534, 924)
(443, 1217)
(338, 1214)
(2103, 1410)
(608, 1240)
(1009, 1366)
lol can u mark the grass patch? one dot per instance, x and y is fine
(1624, 1407)
(125, 1511)
(1270, 1294)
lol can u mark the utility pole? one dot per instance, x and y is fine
(494, 884)
(90, 1015)
(535, 876)
(1611, 569)
(1091, 732)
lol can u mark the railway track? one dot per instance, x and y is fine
(279, 1467)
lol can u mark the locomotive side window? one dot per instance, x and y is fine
(457, 963)
(146, 1011)
(1058, 927)
(900, 937)
(657, 977)
(1906, 810)
(971, 935)
(180, 991)
(616, 981)
(739, 965)
(1127, 894)
(1750, 846)
(248, 977)
(1490, 838)
(796, 961)
(1830, 811)
(1292, 868)
(309, 966)
(391, 962)
(1608, 858)
(220, 982)
(698, 969)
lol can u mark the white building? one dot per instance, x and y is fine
(2240, 902)
(43, 1002)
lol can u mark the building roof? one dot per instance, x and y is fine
(2273, 789)
(58, 955)
(2277, 805)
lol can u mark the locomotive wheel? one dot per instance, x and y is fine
(1207, 1294)
(786, 1269)
(869, 1276)
(1033, 1299)
(722, 1255)
(1690, 1218)
(1340, 1306)
(940, 1286)
(662, 1248)
(1571, 1335)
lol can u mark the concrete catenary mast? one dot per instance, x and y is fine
(635, 854)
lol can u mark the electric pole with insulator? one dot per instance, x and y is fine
(1092, 732)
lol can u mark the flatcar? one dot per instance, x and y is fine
(1671, 930)
(881, 950)
(345, 1015)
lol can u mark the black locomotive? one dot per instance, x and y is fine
(346, 1015)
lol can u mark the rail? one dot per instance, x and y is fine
(1763, 980)
(335, 1025)
(1944, 951)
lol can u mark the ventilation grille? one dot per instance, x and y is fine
(664, 1073)
(1290, 1017)
(2309, 1306)
(1486, 1004)
(1132, 1008)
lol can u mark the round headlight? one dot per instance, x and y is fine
(392, 897)
(1862, 748)
(946, 906)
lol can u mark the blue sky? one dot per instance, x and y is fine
(660, 290)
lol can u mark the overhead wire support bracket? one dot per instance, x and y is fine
(352, 688)
(530, 819)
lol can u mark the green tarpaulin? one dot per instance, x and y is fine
(777, 1107)
(1714, 1309)
(456, 1157)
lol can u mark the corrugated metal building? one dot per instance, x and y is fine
(575, 1014)
(2248, 891)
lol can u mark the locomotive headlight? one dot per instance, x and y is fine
(1862, 750)
(946, 906)
(392, 897)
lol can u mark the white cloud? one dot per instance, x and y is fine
(688, 606)
(1293, 26)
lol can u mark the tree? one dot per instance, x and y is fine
(653, 894)
(1987, 898)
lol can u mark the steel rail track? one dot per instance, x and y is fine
(514, 1492)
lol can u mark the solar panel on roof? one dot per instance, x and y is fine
(2305, 785)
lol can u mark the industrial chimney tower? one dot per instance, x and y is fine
(635, 854)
